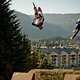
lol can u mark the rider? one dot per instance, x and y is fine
(76, 28)
(38, 19)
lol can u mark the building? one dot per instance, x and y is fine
(63, 57)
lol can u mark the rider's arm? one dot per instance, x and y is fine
(41, 15)
(34, 6)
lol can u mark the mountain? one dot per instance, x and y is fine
(54, 25)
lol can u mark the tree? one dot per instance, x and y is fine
(14, 46)
(43, 61)
(33, 60)
(23, 60)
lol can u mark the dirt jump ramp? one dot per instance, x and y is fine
(22, 76)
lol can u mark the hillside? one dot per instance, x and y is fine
(54, 25)
(66, 21)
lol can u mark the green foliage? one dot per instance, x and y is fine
(38, 60)
(57, 41)
(43, 61)
(54, 74)
(15, 47)
(32, 62)
(47, 74)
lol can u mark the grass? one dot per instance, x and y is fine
(54, 74)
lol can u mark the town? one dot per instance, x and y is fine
(62, 53)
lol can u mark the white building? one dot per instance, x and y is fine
(63, 57)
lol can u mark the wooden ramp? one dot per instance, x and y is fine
(72, 77)
(22, 76)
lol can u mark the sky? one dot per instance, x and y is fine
(48, 6)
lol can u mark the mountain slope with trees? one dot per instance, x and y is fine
(54, 25)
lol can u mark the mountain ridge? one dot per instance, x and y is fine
(54, 25)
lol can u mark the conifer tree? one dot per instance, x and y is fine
(12, 48)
